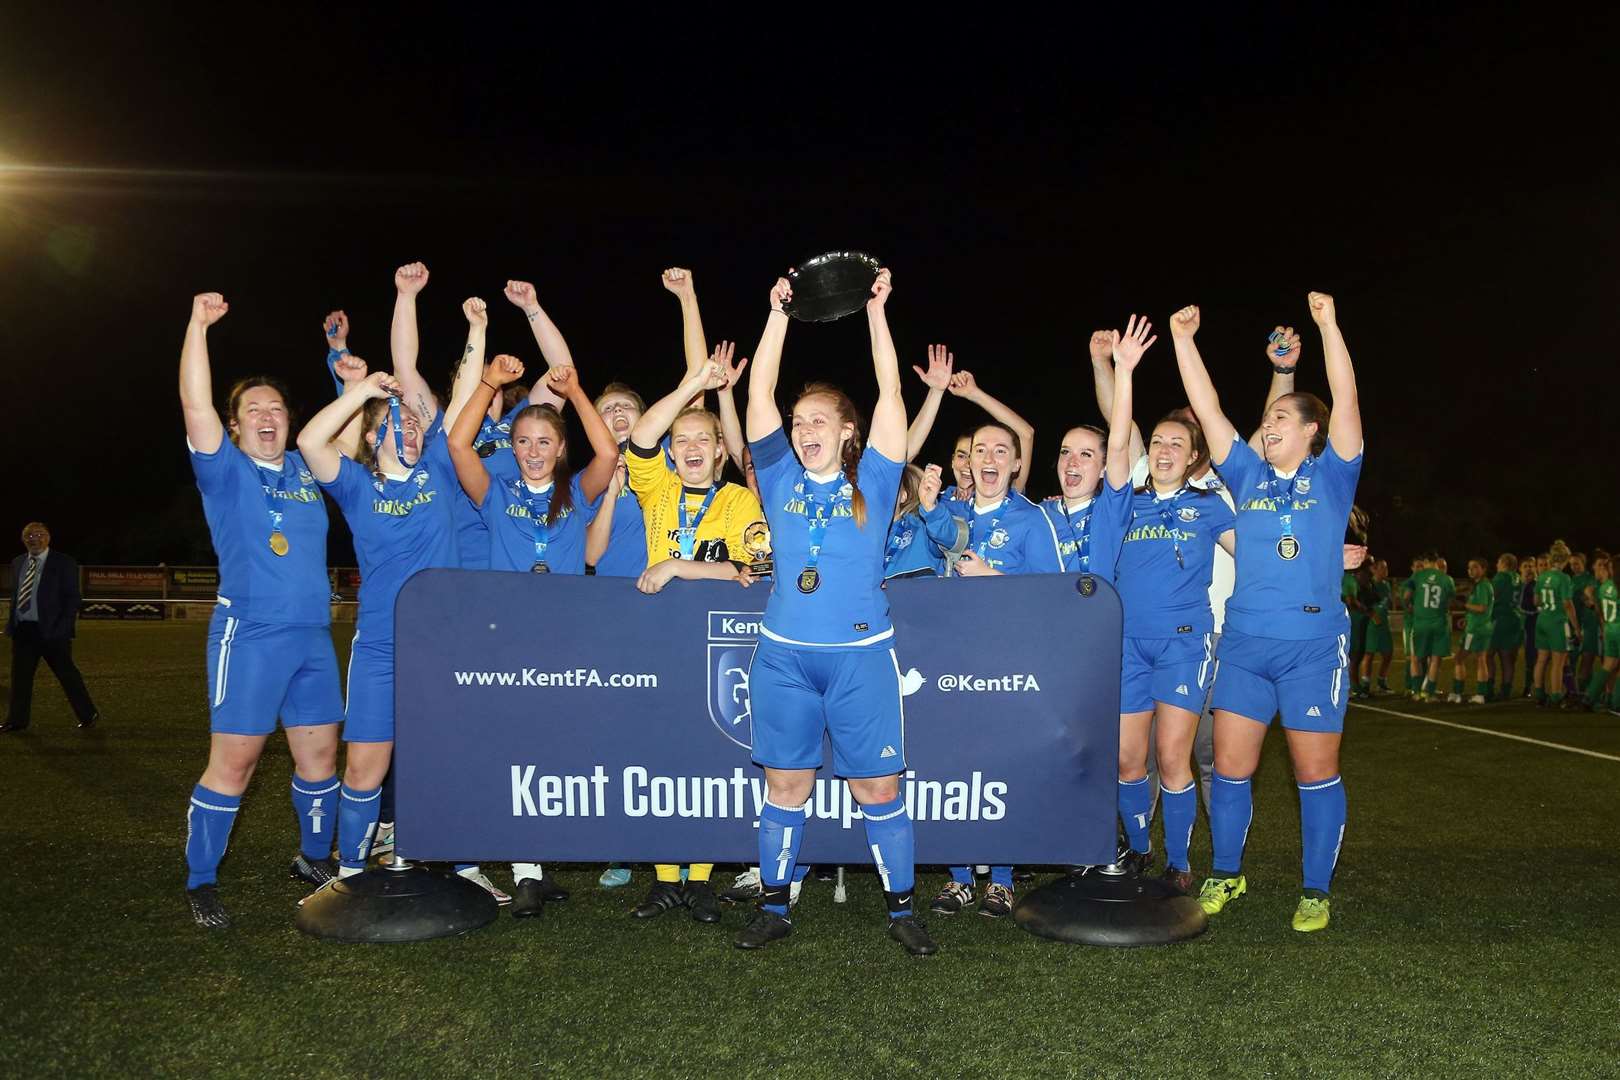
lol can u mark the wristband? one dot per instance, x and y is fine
(1280, 370)
(491, 385)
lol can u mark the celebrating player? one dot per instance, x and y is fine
(270, 629)
(825, 661)
(398, 500)
(535, 518)
(1283, 650)
(695, 525)
(1007, 534)
(1164, 570)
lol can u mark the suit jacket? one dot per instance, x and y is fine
(56, 595)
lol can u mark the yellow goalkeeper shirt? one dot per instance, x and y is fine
(717, 538)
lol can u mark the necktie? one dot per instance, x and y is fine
(25, 595)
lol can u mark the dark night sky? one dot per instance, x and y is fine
(1452, 181)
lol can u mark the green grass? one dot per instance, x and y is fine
(1474, 934)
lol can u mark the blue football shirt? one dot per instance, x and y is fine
(908, 550)
(626, 554)
(848, 610)
(1295, 598)
(399, 527)
(257, 584)
(1073, 528)
(1014, 536)
(507, 511)
(1164, 595)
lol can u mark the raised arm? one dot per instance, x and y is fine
(888, 432)
(693, 343)
(470, 469)
(1127, 351)
(409, 280)
(763, 415)
(662, 413)
(1201, 395)
(938, 380)
(593, 479)
(350, 369)
(546, 334)
(730, 425)
(1282, 349)
(964, 385)
(1102, 381)
(203, 428)
(346, 368)
(1344, 424)
(315, 441)
(600, 530)
(472, 364)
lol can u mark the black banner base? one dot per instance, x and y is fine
(408, 903)
(1116, 910)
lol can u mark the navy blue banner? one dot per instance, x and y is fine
(548, 717)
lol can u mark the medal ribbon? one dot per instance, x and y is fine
(826, 506)
(979, 548)
(1285, 503)
(1168, 518)
(687, 536)
(1082, 555)
(537, 517)
(270, 501)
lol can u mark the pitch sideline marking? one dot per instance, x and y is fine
(1488, 731)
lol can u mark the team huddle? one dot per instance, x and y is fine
(1226, 552)
(1550, 605)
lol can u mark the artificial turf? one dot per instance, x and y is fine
(1474, 934)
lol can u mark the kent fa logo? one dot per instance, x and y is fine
(733, 636)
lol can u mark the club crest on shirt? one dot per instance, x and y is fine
(1214, 483)
(1187, 513)
(1303, 486)
(999, 538)
(305, 477)
(421, 478)
(903, 541)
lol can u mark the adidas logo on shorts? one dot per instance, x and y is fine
(888, 752)
(1313, 711)
(1182, 690)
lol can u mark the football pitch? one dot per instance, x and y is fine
(1474, 933)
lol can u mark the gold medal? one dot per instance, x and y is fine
(1288, 548)
(278, 543)
(809, 580)
(540, 568)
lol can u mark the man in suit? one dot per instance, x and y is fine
(44, 612)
